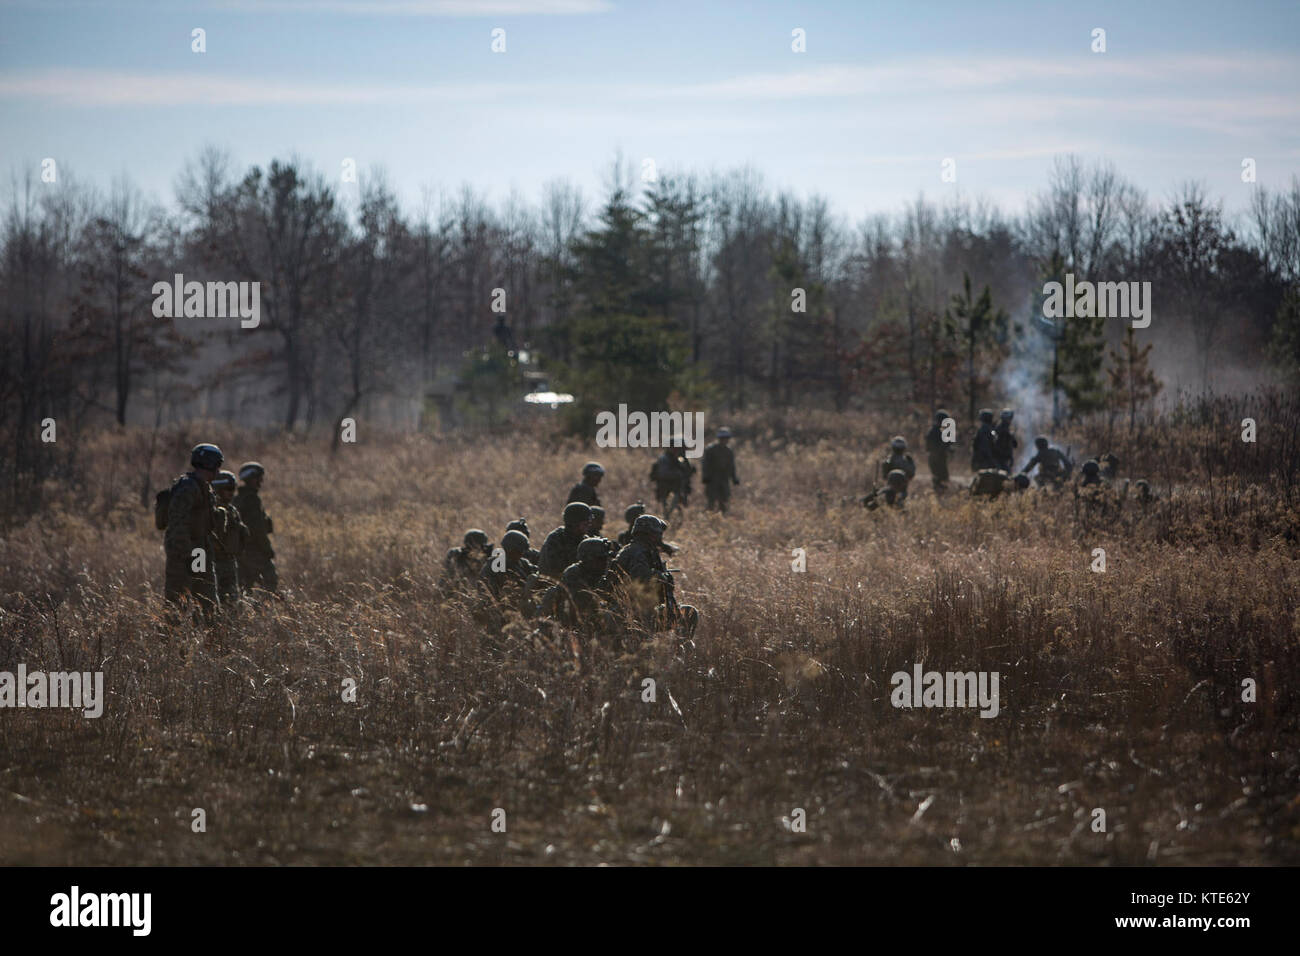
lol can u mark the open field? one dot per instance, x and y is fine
(1119, 691)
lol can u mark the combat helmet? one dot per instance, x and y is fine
(520, 524)
(898, 443)
(251, 469)
(225, 479)
(591, 549)
(206, 456)
(514, 542)
(634, 511)
(592, 468)
(575, 512)
(476, 538)
(649, 524)
(986, 415)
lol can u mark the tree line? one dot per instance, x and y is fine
(693, 288)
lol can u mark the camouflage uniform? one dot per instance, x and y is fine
(257, 559)
(982, 455)
(585, 590)
(192, 522)
(989, 483)
(229, 545)
(671, 473)
(937, 451)
(649, 583)
(560, 549)
(1053, 466)
(898, 461)
(585, 490)
(512, 586)
(718, 472)
(1005, 444)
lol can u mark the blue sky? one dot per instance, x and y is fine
(865, 117)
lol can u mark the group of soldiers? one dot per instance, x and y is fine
(216, 533)
(993, 453)
(578, 578)
(672, 472)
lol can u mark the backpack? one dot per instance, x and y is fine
(162, 503)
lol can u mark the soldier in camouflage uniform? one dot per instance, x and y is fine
(230, 541)
(670, 473)
(989, 483)
(893, 494)
(1109, 468)
(1053, 465)
(257, 560)
(633, 512)
(648, 583)
(981, 450)
(192, 522)
(462, 566)
(1090, 473)
(585, 590)
(585, 490)
(560, 549)
(1004, 442)
(897, 459)
(508, 578)
(520, 524)
(718, 471)
(938, 451)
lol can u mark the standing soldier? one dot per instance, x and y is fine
(719, 471)
(938, 451)
(585, 490)
(671, 473)
(230, 541)
(560, 549)
(257, 560)
(981, 449)
(192, 520)
(1004, 443)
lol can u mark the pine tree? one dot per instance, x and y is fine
(980, 328)
(1132, 381)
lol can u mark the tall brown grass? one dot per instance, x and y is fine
(1120, 691)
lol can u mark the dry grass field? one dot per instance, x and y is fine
(1119, 691)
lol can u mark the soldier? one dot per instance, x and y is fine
(630, 515)
(585, 490)
(508, 578)
(1090, 473)
(1144, 494)
(1004, 442)
(585, 588)
(257, 560)
(1053, 465)
(192, 520)
(650, 584)
(520, 524)
(989, 483)
(719, 472)
(671, 473)
(898, 459)
(463, 565)
(982, 455)
(597, 521)
(229, 542)
(894, 493)
(560, 549)
(938, 451)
